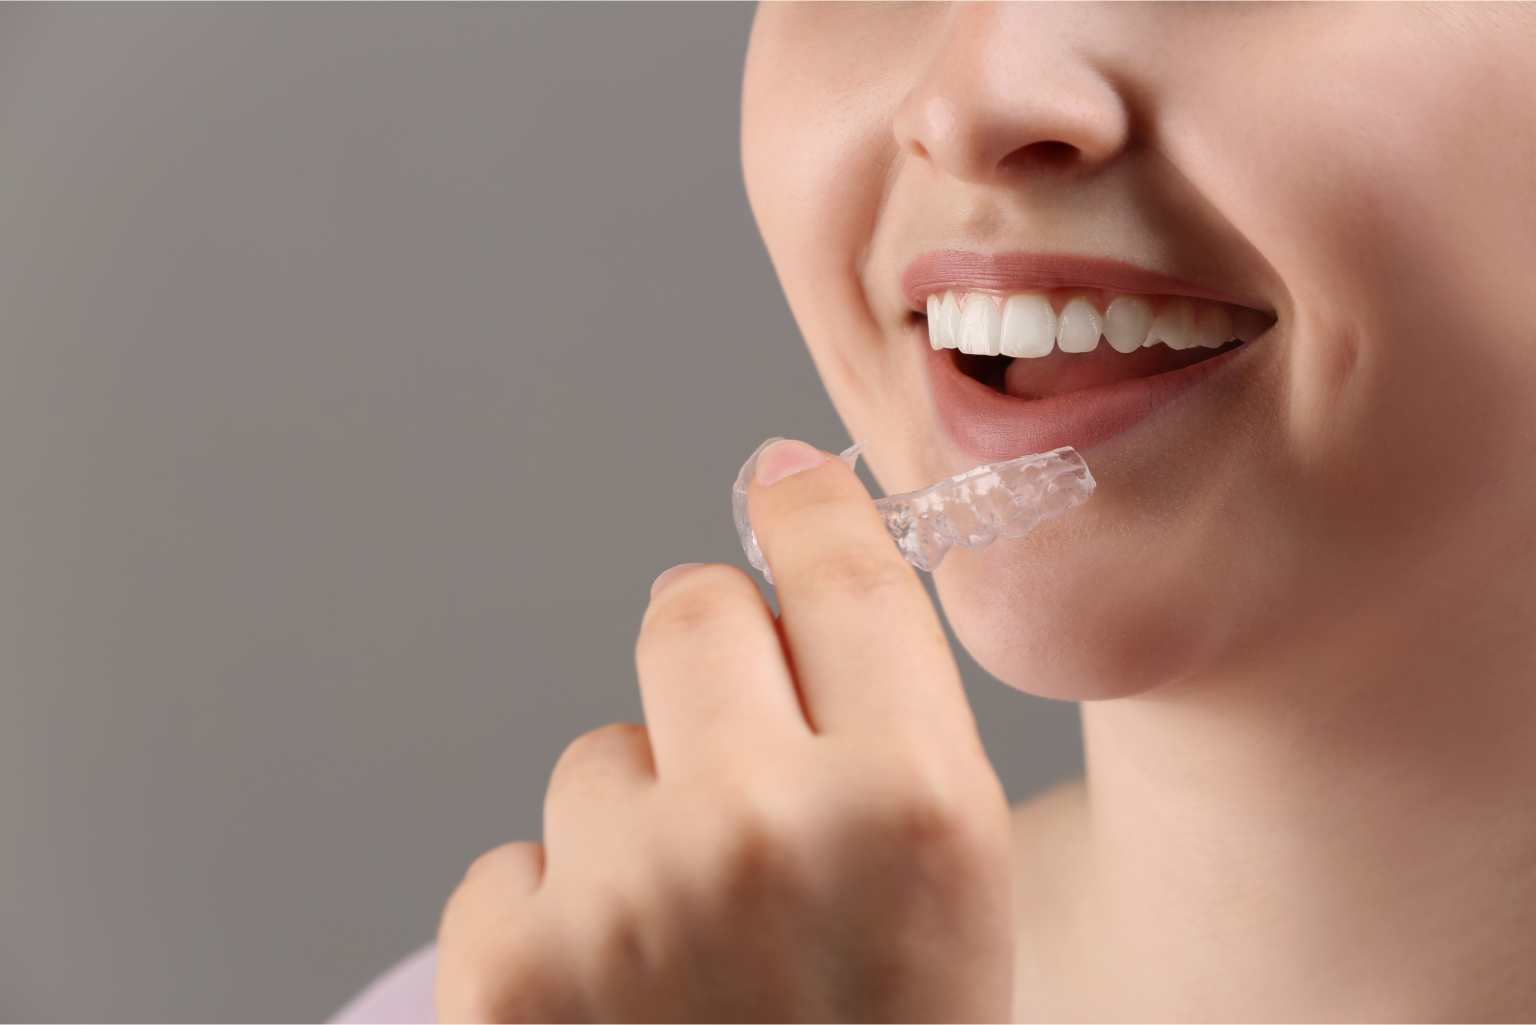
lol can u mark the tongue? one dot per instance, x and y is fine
(1063, 372)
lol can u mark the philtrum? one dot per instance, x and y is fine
(971, 509)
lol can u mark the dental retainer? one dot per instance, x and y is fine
(971, 509)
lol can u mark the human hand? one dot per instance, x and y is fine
(807, 829)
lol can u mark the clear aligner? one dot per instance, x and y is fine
(971, 509)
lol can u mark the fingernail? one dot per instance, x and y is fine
(785, 458)
(668, 574)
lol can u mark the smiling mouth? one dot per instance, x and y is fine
(1036, 345)
(1026, 372)
(1033, 351)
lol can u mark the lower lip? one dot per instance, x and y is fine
(989, 426)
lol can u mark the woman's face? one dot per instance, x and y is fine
(1352, 189)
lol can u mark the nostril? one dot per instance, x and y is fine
(1048, 153)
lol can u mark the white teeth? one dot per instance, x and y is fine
(1126, 323)
(1175, 326)
(1213, 327)
(1029, 326)
(1080, 327)
(943, 322)
(981, 327)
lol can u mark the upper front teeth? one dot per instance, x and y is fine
(1080, 327)
(981, 328)
(1027, 325)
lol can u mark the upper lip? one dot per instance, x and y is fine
(1007, 273)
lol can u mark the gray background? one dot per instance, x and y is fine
(359, 368)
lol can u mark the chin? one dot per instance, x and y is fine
(1056, 618)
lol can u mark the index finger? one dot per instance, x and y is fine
(862, 635)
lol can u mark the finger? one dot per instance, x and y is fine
(865, 643)
(480, 939)
(713, 677)
(504, 877)
(598, 781)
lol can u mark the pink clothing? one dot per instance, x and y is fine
(401, 996)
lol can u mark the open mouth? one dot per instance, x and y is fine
(1032, 371)
(1035, 345)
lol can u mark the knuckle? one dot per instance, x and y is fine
(515, 863)
(740, 866)
(484, 868)
(926, 819)
(916, 819)
(621, 938)
(858, 575)
(606, 749)
(714, 596)
(603, 741)
(757, 846)
(740, 837)
(924, 808)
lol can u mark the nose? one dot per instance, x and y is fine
(1008, 93)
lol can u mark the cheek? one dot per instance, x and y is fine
(1394, 200)
(815, 150)
(816, 163)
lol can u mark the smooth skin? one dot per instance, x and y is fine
(1298, 610)
(807, 828)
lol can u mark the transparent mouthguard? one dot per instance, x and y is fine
(971, 509)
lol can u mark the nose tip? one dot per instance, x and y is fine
(995, 104)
